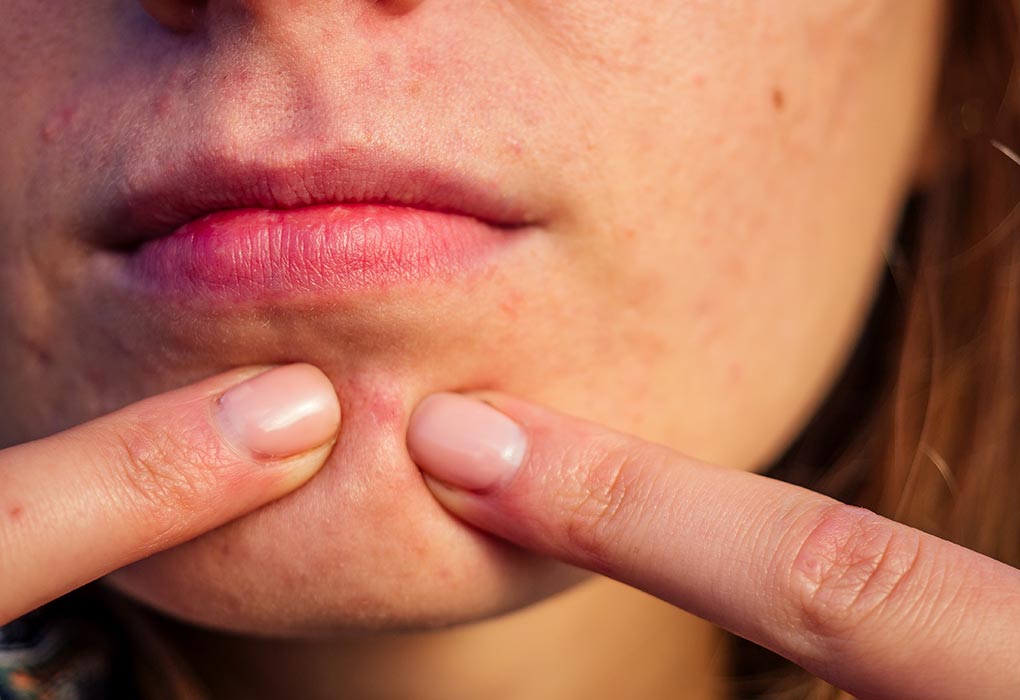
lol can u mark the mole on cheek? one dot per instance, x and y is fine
(778, 99)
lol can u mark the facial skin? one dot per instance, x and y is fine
(714, 186)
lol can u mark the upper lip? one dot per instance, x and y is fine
(204, 183)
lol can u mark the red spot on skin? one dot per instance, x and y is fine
(49, 131)
(59, 123)
(698, 80)
(513, 146)
(15, 512)
(628, 234)
(384, 405)
(386, 409)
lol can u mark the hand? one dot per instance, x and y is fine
(90, 500)
(877, 608)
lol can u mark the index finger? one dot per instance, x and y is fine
(877, 608)
(82, 503)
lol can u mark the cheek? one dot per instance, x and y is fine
(43, 47)
(749, 180)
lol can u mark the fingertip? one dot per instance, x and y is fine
(277, 414)
(464, 442)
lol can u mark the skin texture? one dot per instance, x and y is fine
(714, 186)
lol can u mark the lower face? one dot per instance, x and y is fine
(710, 190)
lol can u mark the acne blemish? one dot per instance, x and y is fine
(58, 123)
(513, 145)
(14, 512)
(383, 403)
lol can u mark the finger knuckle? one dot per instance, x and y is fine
(602, 501)
(851, 566)
(161, 471)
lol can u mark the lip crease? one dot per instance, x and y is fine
(228, 231)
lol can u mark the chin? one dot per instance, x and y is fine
(362, 547)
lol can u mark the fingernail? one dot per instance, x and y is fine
(280, 413)
(465, 442)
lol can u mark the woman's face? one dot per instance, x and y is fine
(694, 198)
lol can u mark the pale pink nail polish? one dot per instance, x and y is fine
(280, 413)
(465, 442)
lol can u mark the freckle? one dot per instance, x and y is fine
(778, 99)
(698, 79)
(628, 234)
(415, 88)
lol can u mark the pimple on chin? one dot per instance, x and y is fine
(380, 400)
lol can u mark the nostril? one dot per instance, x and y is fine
(176, 15)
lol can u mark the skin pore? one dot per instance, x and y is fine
(712, 188)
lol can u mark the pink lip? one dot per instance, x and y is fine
(325, 249)
(312, 227)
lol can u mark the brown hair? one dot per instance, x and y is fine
(923, 426)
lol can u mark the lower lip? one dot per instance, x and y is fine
(263, 254)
